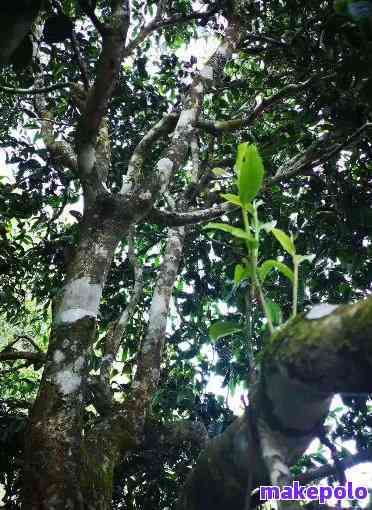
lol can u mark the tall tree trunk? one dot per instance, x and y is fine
(54, 438)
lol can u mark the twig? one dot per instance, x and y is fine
(174, 219)
(330, 469)
(238, 123)
(308, 165)
(157, 24)
(41, 90)
(101, 28)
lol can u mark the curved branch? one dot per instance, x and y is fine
(152, 345)
(33, 357)
(86, 6)
(61, 152)
(41, 90)
(314, 156)
(174, 219)
(108, 68)
(116, 330)
(325, 351)
(141, 152)
(157, 24)
(216, 127)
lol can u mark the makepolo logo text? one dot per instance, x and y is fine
(313, 492)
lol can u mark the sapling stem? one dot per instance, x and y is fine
(253, 255)
(295, 286)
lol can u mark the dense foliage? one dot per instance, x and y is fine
(315, 65)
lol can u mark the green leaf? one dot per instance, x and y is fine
(250, 172)
(234, 199)
(275, 312)
(231, 198)
(234, 231)
(303, 258)
(219, 171)
(269, 265)
(286, 242)
(241, 273)
(267, 226)
(223, 328)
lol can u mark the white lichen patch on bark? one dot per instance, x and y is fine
(126, 185)
(100, 251)
(186, 119)
(58, 357)
(157, 316)
(146, 195)
(164, 167)
(321, 310)
(206, 72)
(80, 299)
(87, 158)
(274, 454)
(68, 380)
(155, 374)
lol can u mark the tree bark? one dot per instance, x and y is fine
(54, 440)
(314, 356)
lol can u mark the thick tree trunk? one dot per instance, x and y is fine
(53, 453)
(315, 356)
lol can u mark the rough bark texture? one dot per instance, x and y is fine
(314, 356)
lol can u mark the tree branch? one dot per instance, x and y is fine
(41, 90)
(208, 75)
(157, 24)
(61, 153)
(331, 469)
(23, 337)
(87, 8)
(324, 351)
(142, 151)
(116, 330)
(216, 127)
(33, 357)
(152, 345)
(79, 59)
(107, 73)
(306, 161)
(174, 219)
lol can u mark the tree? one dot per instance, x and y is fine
(148, 141)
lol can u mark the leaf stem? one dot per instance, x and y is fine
(253, 254)
(295, 286)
